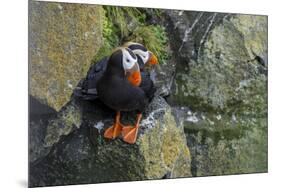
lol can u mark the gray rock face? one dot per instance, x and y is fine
(222, 143)
(67, 120)
(84, 156)
(39, 115)
(224, 61)
(164, 77)
(64, 38)
(219, 93)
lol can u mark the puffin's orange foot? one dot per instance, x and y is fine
(130, 134)
(113, 131)
(127, 129)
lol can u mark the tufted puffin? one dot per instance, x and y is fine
(117, 92)
(145, 58)
(87, 87)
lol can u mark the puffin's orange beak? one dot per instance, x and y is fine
(134, 75)
(135, 78)
(153, 60)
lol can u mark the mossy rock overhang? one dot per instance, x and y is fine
(63, 40)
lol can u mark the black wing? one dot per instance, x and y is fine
(87, 87)
(147, 85)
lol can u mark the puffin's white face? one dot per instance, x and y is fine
(139, 50)
(129, 59)
(131, 67)
(144, 55)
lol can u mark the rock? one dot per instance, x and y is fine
(160, 149)
(69, 162)
(68, 119)
(64, 38)
(47, 126)
(39, 116)
(219, 93)
(223, 74)
(84, 156)
(164, 77)
(254, 30)
(189, 30)
(224, 144)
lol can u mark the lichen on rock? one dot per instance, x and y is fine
(63, 39)
(225, 62)
(235, 148)
(160, 151)
(219, 93)
(68, 119)
(157, 152)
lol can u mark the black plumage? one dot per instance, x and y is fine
(115, 91)
(86, 88)
(147, 85)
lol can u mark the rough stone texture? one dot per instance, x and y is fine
(63, 40)
(68, 119)
(188, 31)
(254, 30)
(164, 76)
(226, 67)
(224, 144)
(47, 126)
(84, 156)
(39, 115)
(220, 90)
(69, 162)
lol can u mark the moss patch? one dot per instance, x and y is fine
(123, 24)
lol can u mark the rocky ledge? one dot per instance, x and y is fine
(84, 156)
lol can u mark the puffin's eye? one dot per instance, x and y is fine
(128, 60)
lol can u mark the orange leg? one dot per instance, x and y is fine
(130, 133)
(115, 130)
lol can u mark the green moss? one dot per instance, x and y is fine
(122, 24)
(120, 16)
